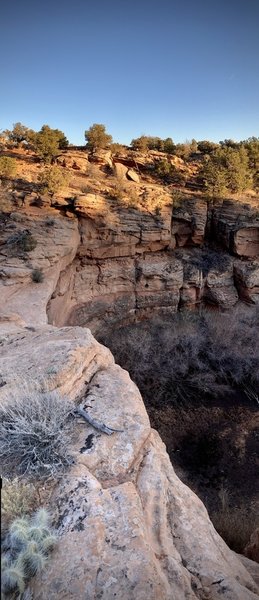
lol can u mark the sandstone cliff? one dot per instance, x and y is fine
(109, 263)
(128, 527)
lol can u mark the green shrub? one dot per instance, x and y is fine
(37, 276)
(8, 167)
(28, 544)
(169, 173)
(48, 142)
(53, 180)
(97, 138)
(35, 434)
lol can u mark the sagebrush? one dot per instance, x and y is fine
(22, 241)
(35, 434)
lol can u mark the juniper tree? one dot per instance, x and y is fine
(97, 138)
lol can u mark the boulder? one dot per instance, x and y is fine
(120, 170)
(133, 176)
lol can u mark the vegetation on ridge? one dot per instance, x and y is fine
(217, 170)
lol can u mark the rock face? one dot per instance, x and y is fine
(247, 280)
(189, 221)
(56, 240)
(128, 527)
(236, 227)
(111, 264)
(128, 260)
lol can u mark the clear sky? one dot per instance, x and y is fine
(182, 69)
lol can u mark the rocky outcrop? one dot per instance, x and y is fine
(101, 157)
(189, 221)
(111, 229)
(247, 280)
(127, 526)
(208, 279)
(236, 227)
(55, 240)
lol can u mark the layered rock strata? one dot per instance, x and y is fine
(109, 264)
(132, 263)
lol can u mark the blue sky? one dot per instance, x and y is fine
(184, 69)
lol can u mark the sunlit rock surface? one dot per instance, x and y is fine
(128, 527)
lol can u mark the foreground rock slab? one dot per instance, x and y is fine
(128, 527)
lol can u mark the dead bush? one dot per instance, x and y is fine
(191, 355)
(35, 434)
(235, 524)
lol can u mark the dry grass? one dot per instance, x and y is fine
(35, 434)
(18, 499)
(234, 524)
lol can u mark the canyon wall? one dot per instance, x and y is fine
(107, 264)
(135, 263)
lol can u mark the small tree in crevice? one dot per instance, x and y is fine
(37, 275)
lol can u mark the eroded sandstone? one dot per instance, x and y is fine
(127, 526)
